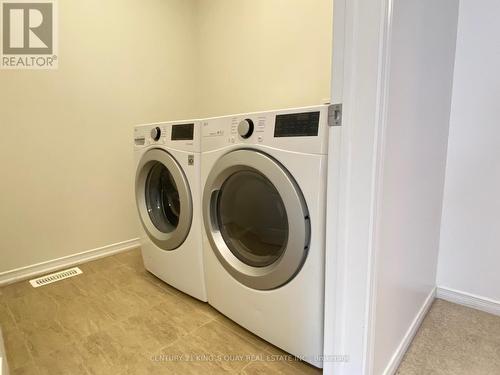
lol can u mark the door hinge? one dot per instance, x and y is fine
(335, 115)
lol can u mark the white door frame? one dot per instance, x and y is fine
(361, 29)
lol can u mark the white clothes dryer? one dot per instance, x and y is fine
(264, 207)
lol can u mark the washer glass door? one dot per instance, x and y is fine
(163, 199)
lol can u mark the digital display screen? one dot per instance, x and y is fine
(182, 132)
(297, 125)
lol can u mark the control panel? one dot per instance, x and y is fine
(178, 135)
(302, 130)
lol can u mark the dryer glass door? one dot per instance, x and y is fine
(163, 199)
(256, 219)
(252, 218)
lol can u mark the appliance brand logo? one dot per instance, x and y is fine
(29, 34)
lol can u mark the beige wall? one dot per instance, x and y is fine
(263, 54)
(66, 144)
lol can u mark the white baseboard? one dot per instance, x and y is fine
(470, 300)
(397, 357)
(23, 273)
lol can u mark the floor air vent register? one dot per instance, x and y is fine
(57, 276)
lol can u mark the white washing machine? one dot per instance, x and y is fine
(264, 179)
(167, 188)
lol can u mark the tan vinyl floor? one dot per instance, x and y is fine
(117, 318)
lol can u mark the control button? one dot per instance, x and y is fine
(245, 128)
(156, 133)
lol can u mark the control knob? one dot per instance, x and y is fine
(156, 133)
(245, 128)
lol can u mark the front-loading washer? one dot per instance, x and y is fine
(264, 179)
(167, 190)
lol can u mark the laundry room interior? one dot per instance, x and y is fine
(249, 187)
